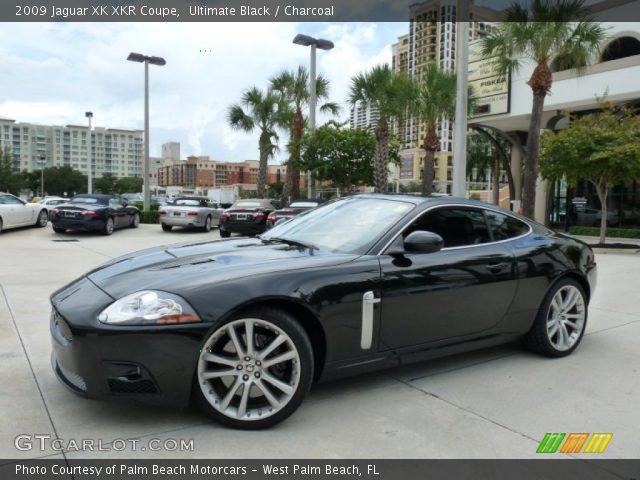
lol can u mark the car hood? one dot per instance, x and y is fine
(182, 267)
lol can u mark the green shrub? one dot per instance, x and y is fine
(149, 217)
(611, 232)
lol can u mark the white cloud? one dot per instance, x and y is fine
(58, 71)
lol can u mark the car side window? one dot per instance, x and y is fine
(115, 203)
(9, 200)
(458, 227)
(504, 227)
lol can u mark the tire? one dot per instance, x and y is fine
(207, 224)
(135, 221)
(220, 387)
(560, 322)
(43, 219)
(167, 228)
(108, 227)
(224, 234)
(59, 230)
(0, 225)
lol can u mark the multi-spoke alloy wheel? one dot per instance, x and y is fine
(561, 321)
(254, 371)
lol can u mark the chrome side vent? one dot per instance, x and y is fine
(368, 303)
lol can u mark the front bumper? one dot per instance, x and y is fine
(152, 364)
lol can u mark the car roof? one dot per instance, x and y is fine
(98, 196)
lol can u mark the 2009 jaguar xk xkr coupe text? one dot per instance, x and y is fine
(244, 326)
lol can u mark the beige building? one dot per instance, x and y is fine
(113, 150)
(431, 38)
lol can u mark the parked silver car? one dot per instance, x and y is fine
(190, 212)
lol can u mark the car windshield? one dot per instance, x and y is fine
(246, 205)
(187, 202)
(350, 225)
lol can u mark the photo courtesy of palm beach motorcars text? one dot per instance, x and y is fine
(324, 239)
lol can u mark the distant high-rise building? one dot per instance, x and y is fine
(116, 151)
(431, 38)
(171, 150)
(364, 117)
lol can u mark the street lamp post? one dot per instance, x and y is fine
(138, 57)
(459, 188)
(314, 43)
(89, 116)
(43, 162)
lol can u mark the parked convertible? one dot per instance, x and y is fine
(244, 326)
(15, 212)
(191, 212)
(247, 217)
(98, 213)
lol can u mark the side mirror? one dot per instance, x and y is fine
(124, 202)
(423, 242)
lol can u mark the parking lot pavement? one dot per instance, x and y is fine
(496, 403)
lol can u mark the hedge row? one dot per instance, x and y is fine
(611, 232)
(149, 217)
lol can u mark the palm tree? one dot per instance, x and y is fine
(546, 31)
(389, 93)
(263, 111)
(434, 100)
(483, 156)
(293, 87)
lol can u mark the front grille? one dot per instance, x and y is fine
(117, 385)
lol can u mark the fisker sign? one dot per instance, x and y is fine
(489, 88)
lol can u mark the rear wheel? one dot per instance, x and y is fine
(43, 219)
(135, 221)
(166, 228)
(561, 320)
(59, 230)
(255, 370)
(224, 234)
(108, 227)
(207, 224)
(0, 225)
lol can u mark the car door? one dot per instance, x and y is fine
(16, 212)
(122, 218)
(464, 289)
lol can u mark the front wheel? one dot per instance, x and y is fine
(561, 320)
(43, 219)
(255, 370)
(135, 221)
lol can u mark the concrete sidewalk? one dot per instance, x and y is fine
(496, 403)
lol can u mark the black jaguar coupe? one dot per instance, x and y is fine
(244, 326)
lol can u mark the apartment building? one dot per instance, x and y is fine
(112, 150)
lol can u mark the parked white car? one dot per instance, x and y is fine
(51, 202)
(15, 212)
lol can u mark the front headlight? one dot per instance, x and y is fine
(148, 307)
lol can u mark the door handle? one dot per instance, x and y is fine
(368, 301)
(496, 267)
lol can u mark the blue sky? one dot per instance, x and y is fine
(53, 72)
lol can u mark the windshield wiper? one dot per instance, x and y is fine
(288, 241)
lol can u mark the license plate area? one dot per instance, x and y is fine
(242, 216)
(177, 214)
(68, 214)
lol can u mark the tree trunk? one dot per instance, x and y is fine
(603, 192)
(540, 83)
(430, 146)
(496, 181)
(381, 157)
(262, 169)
